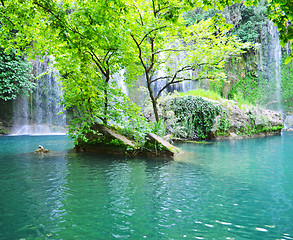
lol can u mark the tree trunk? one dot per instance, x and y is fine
(106, 103)
(154, 101)
(106, 97)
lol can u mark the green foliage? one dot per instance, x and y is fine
(15, 77)
(251, 22)
(245, 91)
(210, 94)
(281, 13)
(193, 117)
(287, 87)
(223, 125)
(159, 128)
(135, 127)
(247, 21)
(160, 44)
(154, 147)
(198, 14)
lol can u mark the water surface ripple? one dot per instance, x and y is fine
(229, 190)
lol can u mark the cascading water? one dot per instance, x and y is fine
(41, 112)
(277, 56)
(175, 64)
(119, 78)
(270, 69)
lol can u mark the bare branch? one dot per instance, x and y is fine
(154, 8)
(179, 81)
(140, 16)
(140, 53)
(109, 54)
(9, 20)
(153, 30)
(153, 56)
(160, 78)
(161, 9)
(97, 61)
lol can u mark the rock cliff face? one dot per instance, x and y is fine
(192, 117)
(246, 121)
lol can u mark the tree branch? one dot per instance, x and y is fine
(9, 20)
(154, 8)
(160, 78)
(97, 62)
(140, 16)
(140, 53)
(170, 50)
(59, 19)
(153, 30)
(179, 81)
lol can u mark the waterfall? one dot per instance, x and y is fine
(41, 112)
(270, 60)
(119, 78)
(176, 62)
(277, 56)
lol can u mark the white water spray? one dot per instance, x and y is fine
(276, 56)
(40, 113)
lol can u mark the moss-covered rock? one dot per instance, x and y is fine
(105, 140)
(157, 146)
(246, 121)
(193, 117)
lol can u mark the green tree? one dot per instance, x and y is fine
(86, 41)
(281, 13)
(160, 34)
(15, 77)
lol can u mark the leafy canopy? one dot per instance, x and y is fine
(15, 77)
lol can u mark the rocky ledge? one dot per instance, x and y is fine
(245, 121)
(191, 118)
(102, 139)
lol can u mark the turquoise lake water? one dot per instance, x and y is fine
(229, 190)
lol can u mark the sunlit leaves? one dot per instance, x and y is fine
(14, 76)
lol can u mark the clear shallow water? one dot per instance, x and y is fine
(229, 190)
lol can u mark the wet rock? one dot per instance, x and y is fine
(41, 149)
(105, 140)
(159, 147)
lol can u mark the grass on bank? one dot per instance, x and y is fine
(210, 94)
(201, 93)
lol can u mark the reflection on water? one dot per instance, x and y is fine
(228, 190)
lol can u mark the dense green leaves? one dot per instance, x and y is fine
(91, 41)
(15, 77)
(188, 116)
(171, 52)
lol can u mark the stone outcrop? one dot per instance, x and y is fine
(191, 118)
(102, 139)
(247, 121)
(160, 147)
(105, 140)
